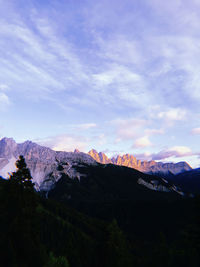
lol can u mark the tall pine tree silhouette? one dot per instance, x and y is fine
(22, 175)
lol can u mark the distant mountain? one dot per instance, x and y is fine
(45, 164)
(150, 167)
(48, 167)
(144, 206)
(189, 180)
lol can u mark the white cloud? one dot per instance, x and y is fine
(122, 52)
(122, 84)
(142, 142)
(172, 114)
(102, 64)
(44, 62)
(128, 128)
(65, 142)
(181, 150)
(4, 101)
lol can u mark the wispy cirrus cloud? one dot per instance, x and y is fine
(4, 98)
(43, 61)
(76, 62)
(121, 66)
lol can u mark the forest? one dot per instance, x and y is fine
(114, 232)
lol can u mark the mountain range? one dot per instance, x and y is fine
(48, 166)
(82, 201)
(150, 167)
(42, 161)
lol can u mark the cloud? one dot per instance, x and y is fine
(154, 131)
(123, 52)
(100, 139)
(96, 67)
(120, 83)
(163, 53)
(133, 128)
(65, 142)
(172, 114)
(128, 128)
(114, 68)
(173, 152)
(176, 151)
(39, 60)
(195, 131)
(142, 142)
(4, 87)
(4, 101)
(86, 126)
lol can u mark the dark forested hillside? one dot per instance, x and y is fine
(39, 232)
(109, 191)
(156, 224)
(189, 181)
(105, 219)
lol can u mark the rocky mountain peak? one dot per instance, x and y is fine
(7, 147)
(151, 167)
(43, 162)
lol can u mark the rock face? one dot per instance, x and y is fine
(46, 165)
(150, 167)
(99, 157)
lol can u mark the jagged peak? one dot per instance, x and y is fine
(144, 166)
(28, 142)
(93, 151)
(7, 140)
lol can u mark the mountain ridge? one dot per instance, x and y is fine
(48, 166)
(42, 161)
(150, 167)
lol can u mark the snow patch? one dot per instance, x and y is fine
(8, 168)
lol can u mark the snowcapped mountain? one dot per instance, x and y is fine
(151, 167)
(45, 164)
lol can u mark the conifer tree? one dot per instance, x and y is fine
(22, 175)
(117, 252)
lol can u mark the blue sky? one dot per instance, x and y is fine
(120, 76)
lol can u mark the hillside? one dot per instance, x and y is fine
(81, 229)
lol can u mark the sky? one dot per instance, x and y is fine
(119, 76)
